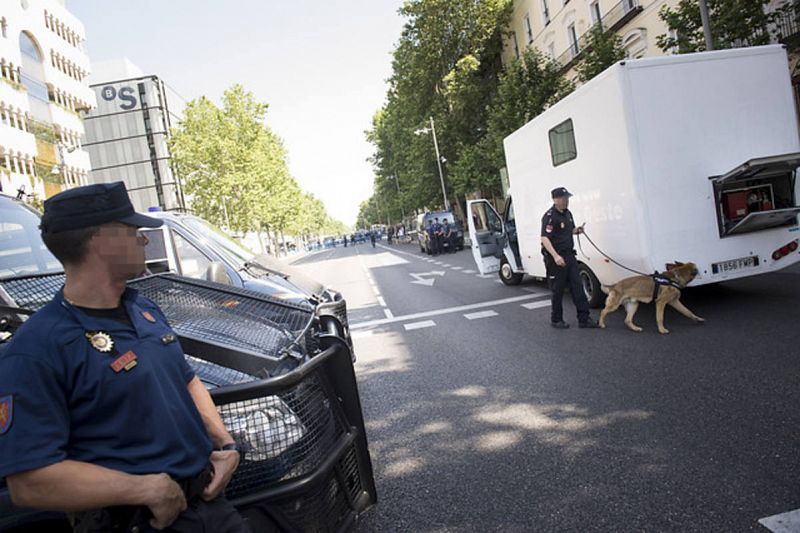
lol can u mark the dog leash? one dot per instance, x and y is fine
(606, 255)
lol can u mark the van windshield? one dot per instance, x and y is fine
(22, 251)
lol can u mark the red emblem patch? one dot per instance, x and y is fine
(6, 413)
(147, 316)
(124, 362)
(549, 228)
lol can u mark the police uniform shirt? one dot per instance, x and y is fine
(66, 398)
(558, 226)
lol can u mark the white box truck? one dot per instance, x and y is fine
(689, 158)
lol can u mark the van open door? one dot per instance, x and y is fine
(487, 235)
(758, 194)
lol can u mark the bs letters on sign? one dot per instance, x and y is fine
(127, 95)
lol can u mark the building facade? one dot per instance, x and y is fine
(127, 134)
(43, 91)
(560, 28)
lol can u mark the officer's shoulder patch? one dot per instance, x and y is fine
(6, 413)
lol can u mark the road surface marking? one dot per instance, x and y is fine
(498, 281)
(381, 301)
(484, 276)
(480, 314)
(445, 311)
(420, 280)
(446, 265)
(782, 523)
(362, 334)
(468, 271)
(536, 305)
(419, 325)
(457, 268)
(388, 313)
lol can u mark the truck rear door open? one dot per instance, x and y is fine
(758, 194)
(487, 235)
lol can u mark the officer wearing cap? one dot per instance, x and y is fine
(104, 419)
(558, 249)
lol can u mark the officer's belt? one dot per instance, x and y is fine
(131, 519)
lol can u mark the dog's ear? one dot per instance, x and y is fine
(678, 264)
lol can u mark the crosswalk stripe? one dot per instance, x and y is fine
(536, 305)
(480, 314)
(419, 325)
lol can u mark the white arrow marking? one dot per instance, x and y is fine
(428, 282)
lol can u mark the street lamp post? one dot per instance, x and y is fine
(706, 25)
(432, 130)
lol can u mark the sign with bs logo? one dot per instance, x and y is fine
(127, 96)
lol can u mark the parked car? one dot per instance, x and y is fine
(279, 372)
(422, 235)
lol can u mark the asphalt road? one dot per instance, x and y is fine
(481, 417)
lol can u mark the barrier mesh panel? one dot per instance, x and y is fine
(236, 318)
(33, 292)
(282, 437)
(214, 375)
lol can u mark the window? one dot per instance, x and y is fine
(21, 242)
(193, 263)
(551, 50)
(528, 28)
(545, 13)
(562, 143)
(573, 40)
(594, 9)
(515, 44)
(629, 5)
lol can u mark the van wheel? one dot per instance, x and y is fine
(591, 286)
(507, 274)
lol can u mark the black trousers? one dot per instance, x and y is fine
(559, 279)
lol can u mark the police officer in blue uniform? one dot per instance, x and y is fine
(104, 419)
(558, 249)
(437, 236)
(431, 238)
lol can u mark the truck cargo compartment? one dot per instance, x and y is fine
(757, 195)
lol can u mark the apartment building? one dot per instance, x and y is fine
(560, 28)
(43, 91)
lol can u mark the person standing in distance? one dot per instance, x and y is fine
(105, 420)
(558, 249)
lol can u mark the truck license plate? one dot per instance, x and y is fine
(734, 264)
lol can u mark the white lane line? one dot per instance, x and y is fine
(498, 281)
(536, 305)
(419, 325)
(447, 310)
(447, 265)
(388, 313)
(782, 523)
(480, 314)
(468, 271)
(484, 276)
(381, 301)
(437, 263)
(457, 268)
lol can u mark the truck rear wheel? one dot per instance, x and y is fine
(507, 274)
(591, 286)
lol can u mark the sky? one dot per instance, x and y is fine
(321, 66)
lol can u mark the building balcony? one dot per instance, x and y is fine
(787, 28)
(66, 119)
(616, 18)
(16, 140)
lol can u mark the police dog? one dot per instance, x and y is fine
(639, 289)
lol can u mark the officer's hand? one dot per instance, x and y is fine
(560, 261)
(225, 464)
(580, 229)
(167, 502)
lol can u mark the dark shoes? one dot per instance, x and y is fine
(589, 324)
(560, 325)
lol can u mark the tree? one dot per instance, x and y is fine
(603, 49)
(734, 23)
(446, 66)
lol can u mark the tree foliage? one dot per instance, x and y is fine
(603, 49)
(446, 66)
(734, 23)
(235, 169)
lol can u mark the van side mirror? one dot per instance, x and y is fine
(216, 272)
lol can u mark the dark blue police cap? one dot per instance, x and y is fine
(558, 192)
(92, 205)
